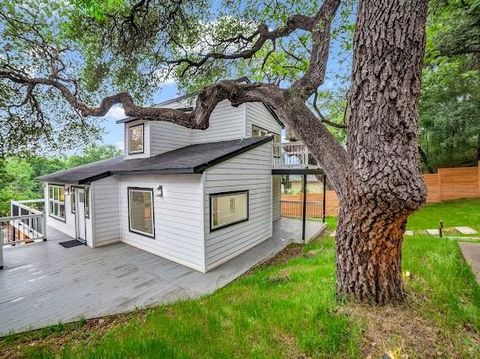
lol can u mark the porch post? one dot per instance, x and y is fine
(304, 209)
(324, 197)
(1, 247)
(44, 223)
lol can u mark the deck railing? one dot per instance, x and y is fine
(292, 155)
(27, 224)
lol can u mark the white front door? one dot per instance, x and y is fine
(80, 214)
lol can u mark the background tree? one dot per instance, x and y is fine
(82, 51)
(18, 174)
(450, 100)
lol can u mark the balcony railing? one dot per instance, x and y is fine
(292, 155)
(27, 224)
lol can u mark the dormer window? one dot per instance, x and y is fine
(135, 139)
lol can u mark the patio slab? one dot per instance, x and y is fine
(471, 253)
(466, 230)
(44, 283)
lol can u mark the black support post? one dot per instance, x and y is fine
(324, 197)
(304, 209)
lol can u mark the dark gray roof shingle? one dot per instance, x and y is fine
(189, 159)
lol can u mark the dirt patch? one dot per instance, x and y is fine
(54, 338)
(399, 332)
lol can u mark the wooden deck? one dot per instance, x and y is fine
(44, 283)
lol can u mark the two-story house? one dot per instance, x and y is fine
(198, 198)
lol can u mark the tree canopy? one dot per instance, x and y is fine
(450, 101)
(79, 51)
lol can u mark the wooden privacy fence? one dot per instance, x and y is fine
(447, 184)
(293, 209)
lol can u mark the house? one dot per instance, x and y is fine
(196, 197)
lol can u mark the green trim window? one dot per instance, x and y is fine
(228, 208)
(56, 201)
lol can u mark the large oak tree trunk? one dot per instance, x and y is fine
(384, 181)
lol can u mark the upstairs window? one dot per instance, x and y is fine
(258, 131)
(261, 132)
(135, 139)
(56, 201)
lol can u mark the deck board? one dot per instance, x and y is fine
(44, 283)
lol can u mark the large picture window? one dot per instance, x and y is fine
(56, 201)
(228, 208)
(135, 139)
(140, 211)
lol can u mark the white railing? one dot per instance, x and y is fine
(27, 224)
(292, 155)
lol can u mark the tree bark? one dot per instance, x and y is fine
(385, 183)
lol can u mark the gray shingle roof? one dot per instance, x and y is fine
(189, 159)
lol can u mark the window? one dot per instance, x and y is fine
(140, 211)
(72, 199)
(261, 132)
(87, 202)
(135, 139)
(228, 208)
(258, 131)
(56, 201)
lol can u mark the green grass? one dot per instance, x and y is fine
(453, 213)
(286, 310)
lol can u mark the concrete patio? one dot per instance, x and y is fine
(44, 283)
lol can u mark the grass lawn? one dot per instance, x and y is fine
(287, 308)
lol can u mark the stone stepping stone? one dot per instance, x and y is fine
(466, 230)
(433, 232)
(408, 233)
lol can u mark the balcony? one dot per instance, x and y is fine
(292, 155)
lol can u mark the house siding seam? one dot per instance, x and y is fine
(226, 123)
(249, 171)
(166, 136)
(257, 114)
(177, 218)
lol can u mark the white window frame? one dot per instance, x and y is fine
(52, 202)
(227, 194)
(136, 231)
(129, 128)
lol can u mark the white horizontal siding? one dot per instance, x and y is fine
(226, 123)
(166, 136)
(146, 139)
(257, 114)
(249, 171)
(179, 228)
(105, 214)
